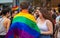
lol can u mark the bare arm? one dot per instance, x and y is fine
(50, 28)
(7, 24)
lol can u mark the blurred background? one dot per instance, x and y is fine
(46, 3)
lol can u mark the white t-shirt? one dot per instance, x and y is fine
(43, 27)
(58, 19)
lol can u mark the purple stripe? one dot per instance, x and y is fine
(20, 33)
(9, 34)
(26, 35)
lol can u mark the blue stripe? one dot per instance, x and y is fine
(25, 28)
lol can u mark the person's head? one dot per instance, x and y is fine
(6, 12)
(37, 11)
(14, 13)
(24, 5)
(43, 13)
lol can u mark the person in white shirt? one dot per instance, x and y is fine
(57, 33)
(44, 23)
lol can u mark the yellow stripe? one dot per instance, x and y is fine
(29, 16)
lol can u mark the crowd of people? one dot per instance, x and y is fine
(37, 22)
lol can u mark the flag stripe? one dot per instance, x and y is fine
(25, 20)
(24, 28)
(29, 16)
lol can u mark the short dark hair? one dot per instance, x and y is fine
(24, 5)
(5, 11)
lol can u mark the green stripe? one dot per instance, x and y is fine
(27, 21)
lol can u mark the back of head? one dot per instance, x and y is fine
(24, 5)
(5, 11)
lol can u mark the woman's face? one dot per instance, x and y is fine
(38, 13)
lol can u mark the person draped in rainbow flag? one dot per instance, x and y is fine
(23, 25)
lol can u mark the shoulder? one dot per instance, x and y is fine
(31, 17)
(48, 22)
(7, 20)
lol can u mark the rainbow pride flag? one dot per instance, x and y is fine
(23, 26)
(15, 8)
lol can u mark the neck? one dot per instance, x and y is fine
(42, 19)
(25, 11)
